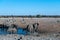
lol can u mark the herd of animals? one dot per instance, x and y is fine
(12, 24)
(13, 29)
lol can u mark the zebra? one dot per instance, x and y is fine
(32, 27)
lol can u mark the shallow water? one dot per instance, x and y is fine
(19, 31)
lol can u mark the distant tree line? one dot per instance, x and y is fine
(30, 16)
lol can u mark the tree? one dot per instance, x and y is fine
(38, 16)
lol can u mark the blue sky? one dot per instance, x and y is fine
(29, 7)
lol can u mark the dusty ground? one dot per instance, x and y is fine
(48, 36)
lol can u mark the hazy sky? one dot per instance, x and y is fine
(29, 7)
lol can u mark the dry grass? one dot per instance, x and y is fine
(45, 24)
